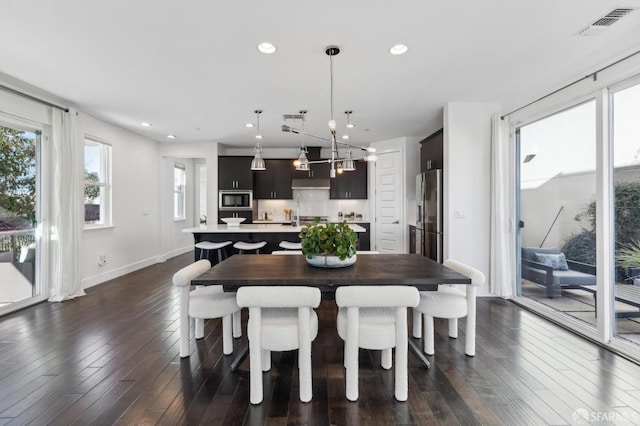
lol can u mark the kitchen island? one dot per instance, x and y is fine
(271, 233)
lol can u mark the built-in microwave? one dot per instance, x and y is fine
(235, 200)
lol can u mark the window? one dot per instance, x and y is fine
(179, 193)
(97, 183)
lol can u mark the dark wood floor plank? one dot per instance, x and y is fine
(111, 357)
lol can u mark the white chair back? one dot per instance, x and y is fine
(274, 324)
(376, 318)
(184, 276)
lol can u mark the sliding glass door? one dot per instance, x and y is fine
(577, 210)
(557, 182)
(20, 282)
(625, 106)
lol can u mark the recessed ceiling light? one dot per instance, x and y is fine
(267, 48)
(248, 125)
(171, 136)
(398, 49)
(345, 137)
(145, 124)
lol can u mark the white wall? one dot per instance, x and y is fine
(133, 242)
(467, 178)
(573, 192)
(177, 242)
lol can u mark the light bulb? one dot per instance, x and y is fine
(332, 125)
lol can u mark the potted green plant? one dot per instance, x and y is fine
(330, 245)
(628, 257)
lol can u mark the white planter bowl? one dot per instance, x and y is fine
(232, 221)
(330, 261)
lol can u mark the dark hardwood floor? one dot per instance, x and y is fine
(111, 357)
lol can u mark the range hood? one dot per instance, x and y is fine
(313, 153)
(310, 184)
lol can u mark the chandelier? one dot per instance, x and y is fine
(339, 164)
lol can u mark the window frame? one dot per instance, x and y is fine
(179, 193)
(105, 185)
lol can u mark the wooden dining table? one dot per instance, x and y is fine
(369, 269)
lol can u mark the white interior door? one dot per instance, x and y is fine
(388, 198)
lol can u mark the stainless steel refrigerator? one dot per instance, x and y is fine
(429, 214)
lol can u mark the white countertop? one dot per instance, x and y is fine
(254, 227)
(336, 220)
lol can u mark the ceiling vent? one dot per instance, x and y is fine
(605, 22)
(286, 117)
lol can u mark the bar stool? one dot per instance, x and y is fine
(244, 246)
(210, 245)
(288, 245)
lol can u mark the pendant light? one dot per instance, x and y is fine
(258, 162)
(302, 163)
(337, 164)
(348, 164)
(349, 125)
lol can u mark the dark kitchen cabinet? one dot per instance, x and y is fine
(350, 185)
(364, 238)
(275, 181)
(235, 173)
(316, 171)
(247, 214)
(431, 149)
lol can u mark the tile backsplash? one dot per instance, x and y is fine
(313, 202)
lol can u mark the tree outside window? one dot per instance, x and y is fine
(97, 183)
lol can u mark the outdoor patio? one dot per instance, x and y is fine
(580, 304)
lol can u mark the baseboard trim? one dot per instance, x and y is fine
(123, 270)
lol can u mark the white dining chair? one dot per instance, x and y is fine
(280, 319)
(205, 302)
(451, 303)
(375, 317)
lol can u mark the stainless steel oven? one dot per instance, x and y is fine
(235, 200)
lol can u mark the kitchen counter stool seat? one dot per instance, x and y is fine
(288, 245)
(244, 246)
(205, 246)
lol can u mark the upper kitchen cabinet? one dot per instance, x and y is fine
(431, 152)
(275, 181)
(350, 185)
(316, 171)
(235, 173)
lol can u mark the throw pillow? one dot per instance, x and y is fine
(556, 261)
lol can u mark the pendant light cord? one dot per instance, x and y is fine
(331, 85)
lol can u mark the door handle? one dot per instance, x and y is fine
(395, 222)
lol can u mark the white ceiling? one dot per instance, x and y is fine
(192, 68)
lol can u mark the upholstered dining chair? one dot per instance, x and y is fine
(451, 303)
(280, 319)
(205, 302)
(375, 317)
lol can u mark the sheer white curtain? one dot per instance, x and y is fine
(502, 282)
(66, 206)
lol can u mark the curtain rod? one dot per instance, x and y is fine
(593, 75)
(32, 98)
